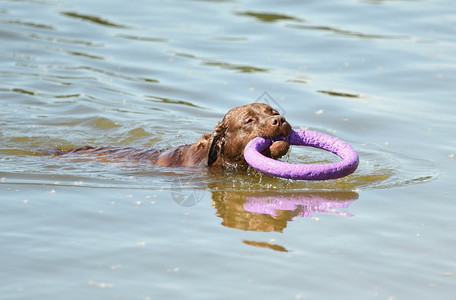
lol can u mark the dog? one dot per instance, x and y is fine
(223, 148)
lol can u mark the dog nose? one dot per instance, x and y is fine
(277, 121)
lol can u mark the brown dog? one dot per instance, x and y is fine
(224, 147)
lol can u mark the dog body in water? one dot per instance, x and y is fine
(224, 147)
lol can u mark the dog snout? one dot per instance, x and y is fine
(279, 126)
(276, 121)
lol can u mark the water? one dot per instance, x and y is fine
(377, 74)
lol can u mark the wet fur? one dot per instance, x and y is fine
(222, 148)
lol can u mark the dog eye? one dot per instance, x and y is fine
(275, 113)
(250, 119)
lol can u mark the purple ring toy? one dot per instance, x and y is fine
(302, 137)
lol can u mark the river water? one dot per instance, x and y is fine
(378, 74)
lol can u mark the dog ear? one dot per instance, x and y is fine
(216, 144)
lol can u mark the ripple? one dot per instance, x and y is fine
(223, 64)
(171, 101)
(382, 168)
(71, 52)
(54, 39)
(100, 123)
(110, 73)
(40, 94)
(267, 245)
(340, 94)
(350, 33)
(302, 79)
(142, 38)
(268, 17)
(378, 168)
(231, 66)
(30, 24)
(93, 19)
(230, 38)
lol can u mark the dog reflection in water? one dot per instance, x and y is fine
(271, 211)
